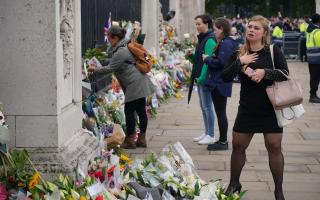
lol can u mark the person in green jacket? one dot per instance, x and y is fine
(206, 45)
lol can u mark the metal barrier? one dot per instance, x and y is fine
(291, 45)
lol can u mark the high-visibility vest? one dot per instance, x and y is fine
(303, 27)
(277, 35)
(277, 32)
(313, 46)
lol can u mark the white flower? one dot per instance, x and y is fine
(186, 36)
(115, 23)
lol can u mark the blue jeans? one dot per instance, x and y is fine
(205, 100)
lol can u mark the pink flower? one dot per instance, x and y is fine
(3, 192)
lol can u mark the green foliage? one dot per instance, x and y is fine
(13, 168)
(221, 196)
(230, 8)
(99, 53)
(152, 158)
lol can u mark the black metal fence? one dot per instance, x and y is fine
(94, 14)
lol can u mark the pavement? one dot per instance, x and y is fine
(179, 121)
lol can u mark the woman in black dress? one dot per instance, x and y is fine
(254, 65)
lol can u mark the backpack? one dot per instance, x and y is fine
(142, 56)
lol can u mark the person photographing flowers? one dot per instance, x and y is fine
(135, 85)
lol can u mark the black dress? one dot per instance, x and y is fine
(255, 111)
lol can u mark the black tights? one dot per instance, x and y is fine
(240, 142)
(220, 107)
(130, 108)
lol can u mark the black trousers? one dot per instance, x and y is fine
(303, 49)
(130, 109)
(220, 106)
(314, 70)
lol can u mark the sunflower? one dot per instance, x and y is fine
(34, 181)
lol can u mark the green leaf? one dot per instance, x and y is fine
(51, 187)
(61, 178)
(74, 194)
(140, 178)
(41, 188)
(197, 189)
(242, 194)
(35, 194)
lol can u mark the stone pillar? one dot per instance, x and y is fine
(318, 6)
(150, 24)
(186, 11)
(176, 21)
(40, 81)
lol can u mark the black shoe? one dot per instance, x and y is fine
(233, 189)
(218, 146)
(314, 99)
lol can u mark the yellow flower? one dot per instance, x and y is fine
(71, 198)
(82, 198)
(178, 96)
(34, 181)
(32, 184)
(124, 158)
(20, 184)
(153, 60)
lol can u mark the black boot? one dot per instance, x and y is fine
(314, 99)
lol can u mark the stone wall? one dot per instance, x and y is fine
(40, 78)
(186, 11)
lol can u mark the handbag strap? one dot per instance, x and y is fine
(274, 66)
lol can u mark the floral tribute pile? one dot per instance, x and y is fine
(111, 176)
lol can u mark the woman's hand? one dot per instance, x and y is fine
(248, 58)
(258, 75)
(91, 69)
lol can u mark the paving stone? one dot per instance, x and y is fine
(265, 167)
(291, 177)
(287, 159)
(209, 165)
(255, 186)
(258, 195)
(314, 168)
(303, 187)
(302, 148)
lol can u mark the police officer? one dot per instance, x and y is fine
(313, 56)
(277, 33)
(303, 29)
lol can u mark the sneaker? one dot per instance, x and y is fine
(314, 99)
(206, 140)
(218, 146)
(197, 139)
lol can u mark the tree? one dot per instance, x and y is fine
(247, 8)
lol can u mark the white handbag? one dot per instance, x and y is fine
(286, 116)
